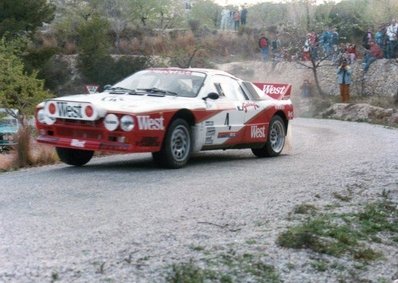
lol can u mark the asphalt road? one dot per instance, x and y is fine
(121, 219)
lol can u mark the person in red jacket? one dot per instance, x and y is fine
(372, 55)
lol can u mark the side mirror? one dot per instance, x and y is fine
(106, 87)
(212, 95)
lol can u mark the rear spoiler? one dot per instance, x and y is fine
(276, 91)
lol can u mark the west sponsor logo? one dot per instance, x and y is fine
(148, 123)
(68, 110)
(276, 91)
(77, 143)
(257, 132)
(271, 89)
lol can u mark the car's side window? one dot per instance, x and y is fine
(219, 89)
(251, 91)
(229, 87)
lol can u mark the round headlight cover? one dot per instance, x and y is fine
(127, 123)
(111, 122)
(41, 116)
(44, 119)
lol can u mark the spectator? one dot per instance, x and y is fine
(225, 19)
(340, 53)
(236, 20)
(372, 55)
(352, 53)
(381, 39)
(306, 49)
(313, 41)
(367, 38)
(306, 88)
(243, 15)
(275, 46)
(335, 36)
(344, 80)
(263, 44)
(392, 31)
(326, 42)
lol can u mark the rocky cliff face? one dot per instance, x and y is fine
(380, 80)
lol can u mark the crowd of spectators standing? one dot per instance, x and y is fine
(375, 45)
(233, 18)
(325, 45)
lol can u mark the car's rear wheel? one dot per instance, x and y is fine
(177, 146)
(275, 140)
(75, 157)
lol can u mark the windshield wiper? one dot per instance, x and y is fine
(158, 90)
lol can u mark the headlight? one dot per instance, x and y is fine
(111, 122)
(43, 118)
(127, 123)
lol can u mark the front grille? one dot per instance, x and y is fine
(79, 129)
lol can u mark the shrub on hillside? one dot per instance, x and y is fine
(104, 70)
(55, 73)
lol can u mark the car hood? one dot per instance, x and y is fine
(106, 102)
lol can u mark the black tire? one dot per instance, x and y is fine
(275, 140)
(75, 157)
(177, 146)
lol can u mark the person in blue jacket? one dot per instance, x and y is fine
(344, 80)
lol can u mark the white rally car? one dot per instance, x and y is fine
(170, 112)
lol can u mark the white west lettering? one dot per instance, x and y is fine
(257, 132)
(270, 89)
(69, 111)
(148, 123)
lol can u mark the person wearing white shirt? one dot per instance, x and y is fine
(392, 39)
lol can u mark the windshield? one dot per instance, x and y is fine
(8, 122)
(169, 82)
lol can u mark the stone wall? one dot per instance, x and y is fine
(380, 80)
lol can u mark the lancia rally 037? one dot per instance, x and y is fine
(171, 113)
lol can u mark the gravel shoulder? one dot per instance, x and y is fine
(120, 219)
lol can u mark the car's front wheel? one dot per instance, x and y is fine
(275, 140)
(177, 146)
(75, 157)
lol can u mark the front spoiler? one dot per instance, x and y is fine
(86, 144)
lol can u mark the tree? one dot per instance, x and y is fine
(206, 12)
(117, 13)
(94, 60)
(70, 16)
(160, 14)
(94, 49)
(20, 91)
(267, 14)
(24, 16)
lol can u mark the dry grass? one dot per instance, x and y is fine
(7, 161)
(39, 155)
(43, 155)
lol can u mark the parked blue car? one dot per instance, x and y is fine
(8, 128)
